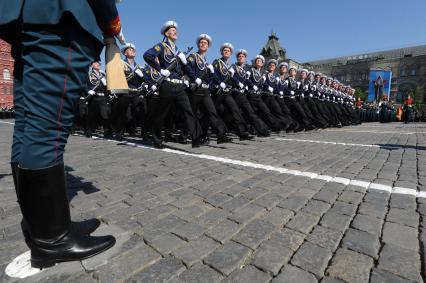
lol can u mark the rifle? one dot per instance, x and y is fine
(93, 89)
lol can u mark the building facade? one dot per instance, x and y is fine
(6, 75)
(408, 66)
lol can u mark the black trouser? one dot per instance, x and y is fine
(173, 93)
(275, 108)
(243, 103)
(298, 112)
(202, 101)
(306, 109)
(286, 111)
(227, 101)
(99, 112)
(323, 110)
(264, 112)
(119, 112)
(332, 111)
(138, 109)
(319, 120)
(81, 115)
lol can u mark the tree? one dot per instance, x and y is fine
(360, 93)
(418, 96)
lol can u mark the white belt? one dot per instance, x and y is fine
(175, 81)
(100, 94)
(205, 86)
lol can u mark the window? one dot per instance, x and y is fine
(413, 72)
(6, 75)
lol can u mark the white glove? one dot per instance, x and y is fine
(210, 67)
(232, 71)
(91, 92)
(186, 82)
(165, 73)
(240, 85)
(182, 58)
(281, 93)
(292, 92)
(270, 89)
(121, 38)
(153, 87)
(198, 81)
(305, 87)
(139, 73)
(248, 74)
(223, 85)
(264, 77)
(255, 88)
(103, 81)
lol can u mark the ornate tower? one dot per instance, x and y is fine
(273, 49)
(6, 75)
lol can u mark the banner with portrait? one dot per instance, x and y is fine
(379, 85)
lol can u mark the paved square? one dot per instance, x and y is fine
(334, 205)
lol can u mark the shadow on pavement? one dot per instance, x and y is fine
(76, 184)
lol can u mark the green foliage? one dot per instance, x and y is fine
(360, 93)
(418, 95)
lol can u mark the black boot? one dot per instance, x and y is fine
(223, 139)
(84, 227)
(245, 136)
(44, 205)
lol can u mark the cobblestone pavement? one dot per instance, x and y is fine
(338, 205)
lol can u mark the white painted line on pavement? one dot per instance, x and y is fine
(367, 131)
(9, 123)
(358, 183)
(329, 142)
(282, 170)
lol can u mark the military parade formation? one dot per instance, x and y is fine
(183, 95)
(175, 97)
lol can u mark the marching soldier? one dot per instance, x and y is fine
(224, 82)
(240, 90)
(330, 102)
(166, 59)
(269, 93)
(151, 78)
(64, 40)
(99, 109)
(303, 87)
(291, 89)
(309, 88)
(280, 90)
(202, 74)
(255, 85)
(318, 98)
(136, 111)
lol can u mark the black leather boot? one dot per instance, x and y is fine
(84, 227)
(223, 139)
(44, 205)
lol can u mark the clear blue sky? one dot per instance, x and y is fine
(309, 30)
